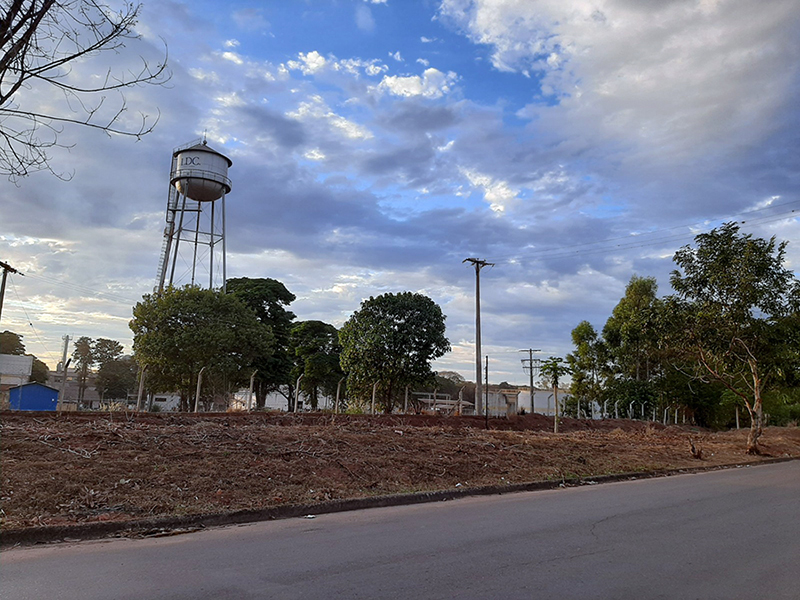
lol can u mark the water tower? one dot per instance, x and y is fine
(193, 251)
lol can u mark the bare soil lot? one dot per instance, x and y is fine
(87, 467)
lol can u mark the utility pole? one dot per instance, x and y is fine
(62, 397)
(486, 404)
(478, 264)
(6, 270)
(530, 352)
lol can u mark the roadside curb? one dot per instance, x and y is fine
(163, 525)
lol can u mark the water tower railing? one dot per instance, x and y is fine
(199, 174)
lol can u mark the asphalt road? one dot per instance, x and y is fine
(724, 534)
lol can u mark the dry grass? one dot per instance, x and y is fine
(94, 467)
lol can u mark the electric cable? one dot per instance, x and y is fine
(603, 245)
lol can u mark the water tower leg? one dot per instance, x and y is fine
(224, 253)
(212, 243)
(196, 240)
(177, 235)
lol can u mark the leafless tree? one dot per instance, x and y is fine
(53, 45)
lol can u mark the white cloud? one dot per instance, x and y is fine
(375, 69)
(355, 66)
(397, 56)
(364, 19)
(229, 100)
(315, 154)
(206, 76)
(432, 84)
(317, 110)
(233, 57)
(231, 43)
(497, 193)
(310, 63)
(678, 79)
(423, 62)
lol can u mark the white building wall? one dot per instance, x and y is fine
(15, 369)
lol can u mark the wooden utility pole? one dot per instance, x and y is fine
(478, 264)
(6, 270)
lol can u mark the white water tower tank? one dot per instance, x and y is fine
(201, 173)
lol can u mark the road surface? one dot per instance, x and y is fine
(723, 534)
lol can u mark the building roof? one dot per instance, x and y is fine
(49, 387)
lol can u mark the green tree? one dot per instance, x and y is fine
(11, 343)
(39, 372)
(269, 299)
(105, 351)
(391, 339)
(116, 379)
(552, 370)
(83, 355)
(587, 363)
(733, 296)
(316, 350)
(181, 331)
(631, 333)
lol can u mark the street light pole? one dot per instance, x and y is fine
(478, 264)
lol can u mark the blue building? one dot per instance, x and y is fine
(33, 396)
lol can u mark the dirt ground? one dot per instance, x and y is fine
(84, 467)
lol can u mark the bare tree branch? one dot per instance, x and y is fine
(49, 44)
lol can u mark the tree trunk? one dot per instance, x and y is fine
(261, 395)
(756, 422)
(555, 420)
(756, 412)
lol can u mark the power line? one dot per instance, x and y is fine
(30, 322)
(80, 288)
(640, 240)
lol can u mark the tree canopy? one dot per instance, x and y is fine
(552, 370)
(630, 333)
(116, 378)
(180, 331)
(83, 357)
(11, 343)
(316, 351)
(391, 340)
(269, 299)
(587, 364)
(734, 297)
(730, 331)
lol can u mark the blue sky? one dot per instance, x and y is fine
(378, 144)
